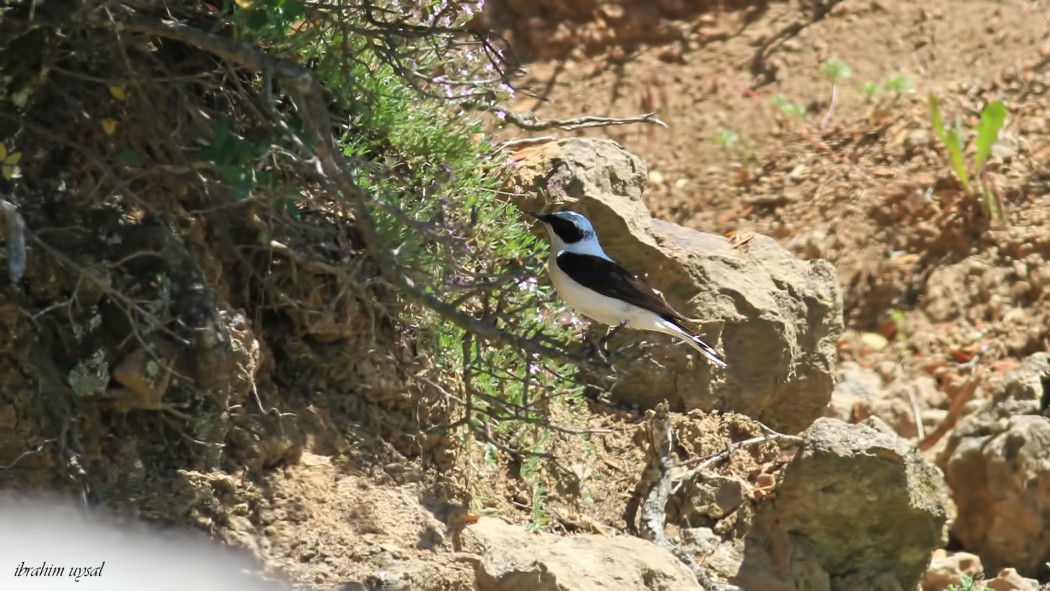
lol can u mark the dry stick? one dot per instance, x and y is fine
(961, 398)
(27, 453)
(529, 122)
(718, 457)
(657, 479)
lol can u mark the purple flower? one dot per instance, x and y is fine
(527, 284)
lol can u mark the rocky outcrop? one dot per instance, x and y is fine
(997, 463)
(776, 317)
(858, 509)
(508, 558)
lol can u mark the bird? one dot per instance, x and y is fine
(598, 287)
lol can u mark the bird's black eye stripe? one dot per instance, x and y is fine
(569, 232)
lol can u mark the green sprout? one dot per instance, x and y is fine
(987, 132)
(898, 84)
(727, 138)
(788, 107)
(966, 583)
(836, 70)
(735, 147)
(870, 90)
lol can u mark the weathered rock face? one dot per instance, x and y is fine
(511, 559)
(776, 317)
(946, 570)
(858, 509)
(998, 466)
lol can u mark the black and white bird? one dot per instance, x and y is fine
(599, 288)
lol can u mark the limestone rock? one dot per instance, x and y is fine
(1008, 579)
(1001, 484)
(997, 463)
(508, 558)
(776, 317)
(945, 569)
(870, 506)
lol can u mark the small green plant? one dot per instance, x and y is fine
(735, 147)
(870, 90)
(897, 315)
(726, 138)
(788, 107)
(896, 85)
(539, 517)
(836, 71)
(966, 583)
(986, 133)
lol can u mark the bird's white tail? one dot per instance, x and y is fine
(705, 349)
(671, 328)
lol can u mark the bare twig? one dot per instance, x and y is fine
(656, 487)
(525, 141)
(27, 453)
(530, 122)
(728, 451)
(954, 412)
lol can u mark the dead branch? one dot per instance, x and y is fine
(962, 396)
(729, 450)
(528, 121)
(27, 453)
(656, 483)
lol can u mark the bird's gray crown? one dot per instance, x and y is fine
(570, 226)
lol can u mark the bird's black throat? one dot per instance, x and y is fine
(569, 232)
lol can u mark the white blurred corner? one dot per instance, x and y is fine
(58, 542)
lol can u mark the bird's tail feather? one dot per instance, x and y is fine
(706, 350)
(675, 328)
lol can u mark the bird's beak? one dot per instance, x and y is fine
(538, 216)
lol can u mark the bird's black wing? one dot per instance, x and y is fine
(610, 279)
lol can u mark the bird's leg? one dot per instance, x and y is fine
(602, 344)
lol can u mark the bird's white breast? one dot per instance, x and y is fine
(595, 305)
